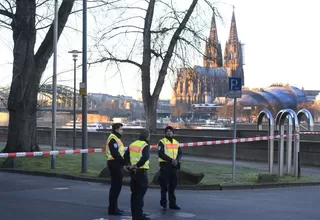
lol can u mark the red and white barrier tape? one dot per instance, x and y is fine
(310, 132)
(190, 144)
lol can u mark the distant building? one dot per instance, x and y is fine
(274, 98)
(209, 83)
(311, 94)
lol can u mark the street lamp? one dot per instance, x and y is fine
(75, 56)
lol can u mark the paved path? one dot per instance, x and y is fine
(305, 170)
(41, 198)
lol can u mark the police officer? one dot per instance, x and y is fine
(115, 162)
(137, 161)
(170, 154)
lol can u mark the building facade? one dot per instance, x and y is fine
(209, 83)
(278, 96)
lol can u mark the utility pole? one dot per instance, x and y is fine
(83, 89)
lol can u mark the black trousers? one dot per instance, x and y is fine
(116, 184)
(168, 181)
(138, 185)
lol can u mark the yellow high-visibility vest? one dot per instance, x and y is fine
(120, 146)
(170, 149)
(135, 149)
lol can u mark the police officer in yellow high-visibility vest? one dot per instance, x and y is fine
(115, 161)
(170, 154)
(137, 161)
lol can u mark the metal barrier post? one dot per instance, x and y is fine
(293, 115)
(305, 112)
(299, 165)
(300, 114)
(281, 150)
(289, 145)
(268, 114)
(280, 129)
(277, 120)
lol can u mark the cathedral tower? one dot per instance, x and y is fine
(233, 57)
(213, 53)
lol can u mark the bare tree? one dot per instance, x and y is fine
(164, 35)
(28, 67)
(26, 18)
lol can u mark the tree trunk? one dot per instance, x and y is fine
(28, 68)
(22, 134)
(22, 102)
(22, 106)
(151, 114)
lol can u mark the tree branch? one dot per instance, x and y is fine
(6, 13)
(129, 7)
(46, 48)
(125, 26)
(146, 57)
(120, 33)
(5, 23)
(173, 42)
(125, 20)
(96, 6)
(44, 27)
(156, 54)
(191, 44)
(42, 3)
(163, 30)
(116, 60)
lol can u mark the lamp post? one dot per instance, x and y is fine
(54, 85)
(75, 56)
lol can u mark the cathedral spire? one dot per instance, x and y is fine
(233, 57)
(213, 53)
(213, 37)
(233, 34)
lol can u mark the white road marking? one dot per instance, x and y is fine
(184, 214)
(61, 188)
(122, 218)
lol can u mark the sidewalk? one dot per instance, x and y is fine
(305, 170)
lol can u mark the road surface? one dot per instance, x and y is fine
(43, 198)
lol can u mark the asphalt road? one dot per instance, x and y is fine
(42, 198)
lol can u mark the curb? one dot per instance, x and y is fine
(180, 187)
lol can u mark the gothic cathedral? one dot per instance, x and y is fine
(209, 83)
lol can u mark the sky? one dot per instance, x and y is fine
(281, 46)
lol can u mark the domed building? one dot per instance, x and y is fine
(274, 98)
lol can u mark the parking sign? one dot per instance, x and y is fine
(235, 87)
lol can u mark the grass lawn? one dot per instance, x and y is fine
(214, 174)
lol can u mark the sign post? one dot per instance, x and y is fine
(235, 92)
(83, 88)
